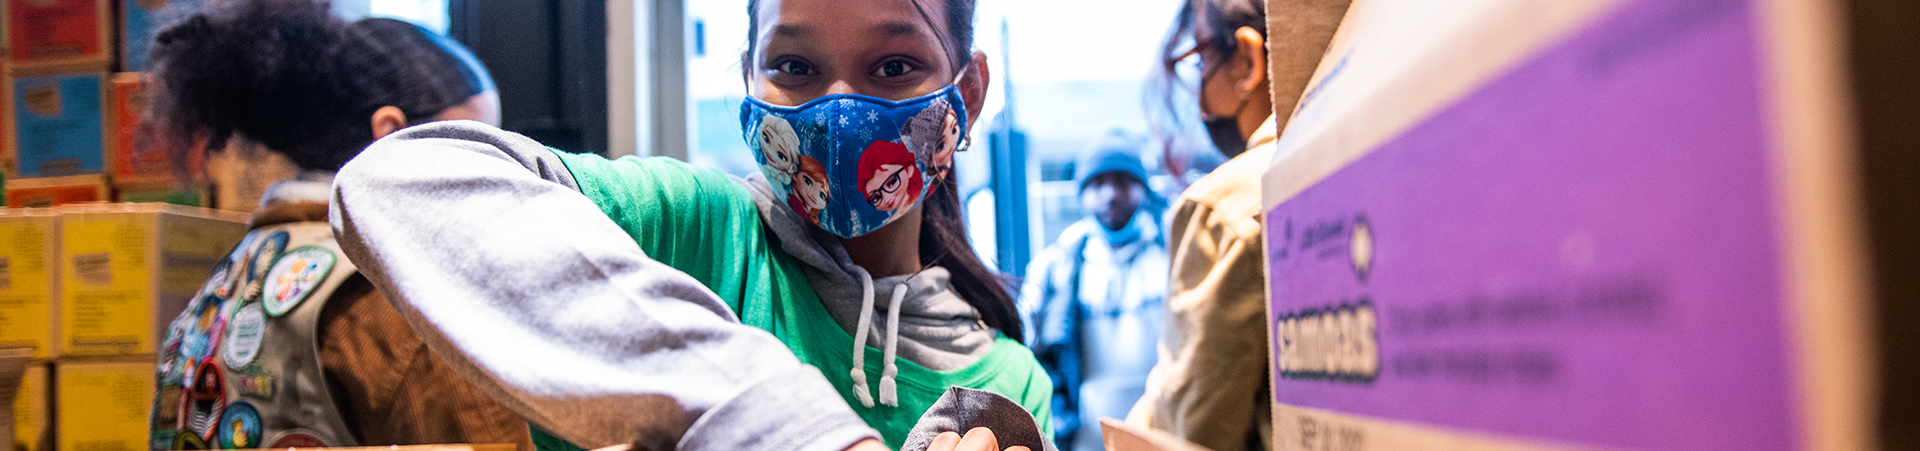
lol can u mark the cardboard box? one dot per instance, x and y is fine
(1119, 436)
(166, 191)
(103, 404)
(29, 283)
(126, 97)
(57, 127)
(140, 21)
(9, 155)
(128, 269)
(57, 32)
(51, 191)
(1580, 224)
(242, 172)
(137, 158)
(33, 410)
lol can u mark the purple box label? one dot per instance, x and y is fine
(1582, 250)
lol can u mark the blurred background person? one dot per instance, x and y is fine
(1094, 299)
(290, 77)
(1210, 385)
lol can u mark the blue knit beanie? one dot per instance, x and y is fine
(1109, 154)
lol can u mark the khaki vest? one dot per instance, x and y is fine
(240, 368)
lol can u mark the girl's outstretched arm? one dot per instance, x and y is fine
(483, 241)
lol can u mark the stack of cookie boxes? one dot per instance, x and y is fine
(140, 167)
(72, 128)
(94, 290)
(29, 244)
(89, 288)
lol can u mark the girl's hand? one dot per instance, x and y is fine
(978, 439)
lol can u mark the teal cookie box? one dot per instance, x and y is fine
(57, 125)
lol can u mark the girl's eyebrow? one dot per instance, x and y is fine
(890, 29)
(893, 29)
(796, 31)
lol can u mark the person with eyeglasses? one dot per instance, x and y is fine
(1210, 386)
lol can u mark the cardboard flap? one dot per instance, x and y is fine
(1122, 437)
(1298, 33)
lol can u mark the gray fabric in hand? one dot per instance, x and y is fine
(962, 409)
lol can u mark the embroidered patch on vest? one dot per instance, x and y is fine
(160, 438)
(206, 400)
(188, 442)
(265, 253)
(166, 413)
(205, 331)
(177, 331)
(253, 381)
(221, 283)
(294, 276)
(244, 334)
(240, 427)
(298, 438)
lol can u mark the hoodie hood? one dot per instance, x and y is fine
(937, 329)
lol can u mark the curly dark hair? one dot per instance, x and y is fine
(291, 76)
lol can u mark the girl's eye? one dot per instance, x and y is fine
(793, 67)
(893, 68)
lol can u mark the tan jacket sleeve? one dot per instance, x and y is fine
(1210, 385)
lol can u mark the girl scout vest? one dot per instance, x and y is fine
(240, 368)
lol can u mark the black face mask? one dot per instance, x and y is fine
(1225, 132)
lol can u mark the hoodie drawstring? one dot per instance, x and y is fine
(887, 394)
(859, 371)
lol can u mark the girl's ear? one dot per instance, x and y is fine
(973, 87)
(1250, 52)
(386, 120)
(746, 70)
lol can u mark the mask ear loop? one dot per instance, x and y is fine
(967, 142)
(962, 74)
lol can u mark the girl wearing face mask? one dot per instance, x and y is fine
(827, 302)
(286, 345)
(1206, 387)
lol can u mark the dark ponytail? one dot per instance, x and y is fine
(943, 230)
(291, 76)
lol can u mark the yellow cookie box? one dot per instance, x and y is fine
(126, 270)
(32, 411)
(29, 241)
(103, 404)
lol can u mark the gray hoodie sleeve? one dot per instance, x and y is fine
(484, 243)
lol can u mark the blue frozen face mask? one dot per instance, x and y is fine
(851, 163)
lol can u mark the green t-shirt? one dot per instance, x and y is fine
(702, 222)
